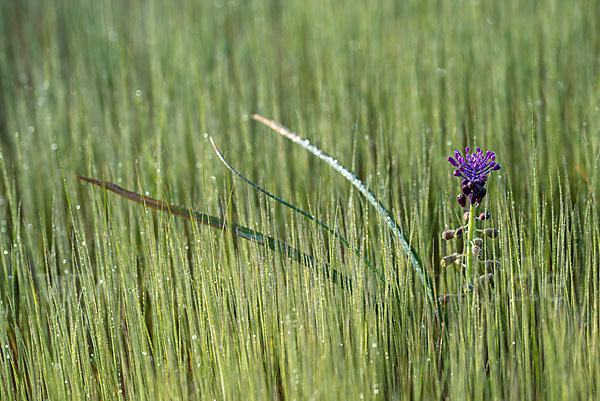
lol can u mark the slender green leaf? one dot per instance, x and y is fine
(411, 253)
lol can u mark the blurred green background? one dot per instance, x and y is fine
(103, 299)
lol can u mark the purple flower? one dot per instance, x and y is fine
(474, 168)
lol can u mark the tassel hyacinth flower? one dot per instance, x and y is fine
(474, 169)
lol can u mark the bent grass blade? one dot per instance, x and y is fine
(300, 211)
(354, 180)
(215, 222)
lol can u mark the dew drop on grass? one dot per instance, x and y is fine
(54, 146)
(138, 92)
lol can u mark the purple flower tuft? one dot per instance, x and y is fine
(474, 168)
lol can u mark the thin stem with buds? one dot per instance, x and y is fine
(470, 234)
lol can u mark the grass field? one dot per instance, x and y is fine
(101, 298)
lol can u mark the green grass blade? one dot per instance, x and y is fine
(298, 210)
(354, 180)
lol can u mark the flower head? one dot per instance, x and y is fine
(474, 168)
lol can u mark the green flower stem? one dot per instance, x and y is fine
(470, 234)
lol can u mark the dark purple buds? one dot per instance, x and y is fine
(485, 215)
(476, 251)
(448, 234)
(462, 200)
(448, 260)
(478, 242)
(491, 232)
(479, 195)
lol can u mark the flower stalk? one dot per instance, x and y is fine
(474, 169)
(469, 242)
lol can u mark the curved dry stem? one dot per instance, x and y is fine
(215, 222)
